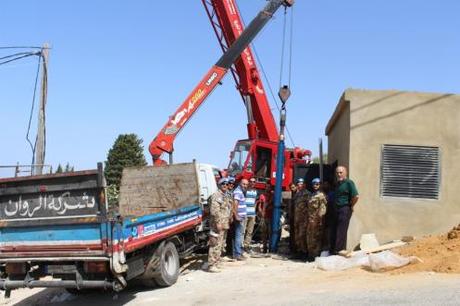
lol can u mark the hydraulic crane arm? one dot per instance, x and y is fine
(163, 142)
(228, 26)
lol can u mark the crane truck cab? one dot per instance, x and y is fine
(257, 158)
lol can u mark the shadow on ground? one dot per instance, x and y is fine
(59, 296)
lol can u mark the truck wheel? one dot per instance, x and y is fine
(168, 269)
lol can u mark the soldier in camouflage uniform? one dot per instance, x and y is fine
(229, 233)
(316, 209)
(229, 199)
(300, 217)
(219, 213)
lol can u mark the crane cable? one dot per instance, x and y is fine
(283, 47)
(282, 64)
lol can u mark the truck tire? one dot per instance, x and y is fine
(169, 267)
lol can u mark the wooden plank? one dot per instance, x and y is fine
(383, 247)
(147, 190)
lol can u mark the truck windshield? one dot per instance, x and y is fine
(239, 156)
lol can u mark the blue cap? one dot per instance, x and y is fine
(222, 181)
(231, 179)
(299, 180)
(316, 181)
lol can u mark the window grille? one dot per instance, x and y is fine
(410, 172)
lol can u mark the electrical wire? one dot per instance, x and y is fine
(13, 55)
(20, 57)
(22, 47)
(32, 146)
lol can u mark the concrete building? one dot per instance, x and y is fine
(402, 150)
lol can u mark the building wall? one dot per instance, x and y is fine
(340, 136)
(401, 118)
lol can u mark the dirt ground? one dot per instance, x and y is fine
(267, 281)
(278, 281)
(439, 253)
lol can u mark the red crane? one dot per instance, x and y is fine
(254, 156)
(164, 141)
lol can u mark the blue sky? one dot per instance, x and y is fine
(125, 66)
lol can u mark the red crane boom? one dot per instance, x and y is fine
(228, 26)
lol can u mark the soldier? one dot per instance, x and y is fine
(227, 248)
(316, 209)
(300, 217)
(219, 213)
(293, 189)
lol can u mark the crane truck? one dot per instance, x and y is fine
(57, 230)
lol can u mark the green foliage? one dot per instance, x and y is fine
(112, 196)
(127, 151)
(67, 168)
(316, 159)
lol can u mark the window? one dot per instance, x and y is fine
(239, 156)
(410, 172)
(263, 162)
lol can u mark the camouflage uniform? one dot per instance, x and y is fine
(316, 209)
(229, 198)
(300, 220)
(219, 213)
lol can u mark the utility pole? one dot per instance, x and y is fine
(39, 158)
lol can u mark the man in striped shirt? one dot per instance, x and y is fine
(251, 196)
(239, 217)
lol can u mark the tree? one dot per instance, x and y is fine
(127, 151)
(316, 159)
(67, 168)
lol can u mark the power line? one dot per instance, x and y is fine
(13, 55)
(21, 47)
(19, 57)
